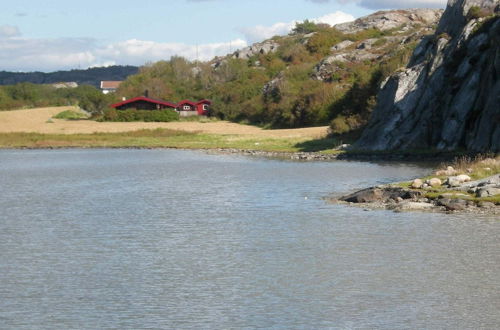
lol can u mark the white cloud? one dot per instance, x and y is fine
(138, 52)
(25, 54)
(393, 4)
(19, 53)
(8, 31)
(260, 32)
(334, 18)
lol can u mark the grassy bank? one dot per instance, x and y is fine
(477, 168)
(164, 138)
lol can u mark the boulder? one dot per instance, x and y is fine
(453, 204)
(381, 194)
(434, 182)
(486, 205)
(410, 206)
(487, 192)
(417, 184)
(456, 181)
(342, 45)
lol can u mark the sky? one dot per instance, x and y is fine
(56, 35)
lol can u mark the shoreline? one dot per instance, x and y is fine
(293, 155)
(456, 194)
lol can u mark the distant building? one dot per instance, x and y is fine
(110, 86)
(203, 107)
(143, 103)
(185, 108)
(65, 84)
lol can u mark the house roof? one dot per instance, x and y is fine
(110, 84)
(187, 102)
(145, 99)
(204, 101)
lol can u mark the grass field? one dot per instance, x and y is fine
(37, 128)
(35, 120)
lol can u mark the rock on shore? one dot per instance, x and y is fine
(407, 199)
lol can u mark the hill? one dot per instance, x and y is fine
(92, 76)
(448, 96)
(316, 75)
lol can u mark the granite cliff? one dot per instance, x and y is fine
(448, 97)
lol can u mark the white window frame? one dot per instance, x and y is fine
(186, 108)
(205, 107)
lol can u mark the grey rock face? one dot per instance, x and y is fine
(342, 45)
(387, 20)
(449, 96)
(265, 47)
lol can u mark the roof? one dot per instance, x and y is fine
(110, 84)
(145, 99)
(204, 101)
(187, 102)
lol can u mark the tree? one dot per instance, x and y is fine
(305, 27)
(95, 102)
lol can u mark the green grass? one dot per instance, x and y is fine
(70, 115)
(158, 138)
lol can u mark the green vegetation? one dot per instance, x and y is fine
(477, 167)
(140, 115)
(291, 98)
(70, 115)
(28, 95)
(476, 12)
(162, 138)
(274, 90)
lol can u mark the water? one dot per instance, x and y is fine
(141, 239)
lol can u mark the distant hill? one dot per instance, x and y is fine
(316, 75)
(92, 76)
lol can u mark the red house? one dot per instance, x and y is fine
(189, 108)
(143, 103)
(203, 107)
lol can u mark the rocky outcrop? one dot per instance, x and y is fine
(265, 47)
(448, 98)
(387, 20)
(407, 26)
(466, 197)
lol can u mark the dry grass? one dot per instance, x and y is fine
(37, 121)
(477, 167)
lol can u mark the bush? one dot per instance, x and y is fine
(140, 115)
(339, 125)
(476, 12)
(70, 115)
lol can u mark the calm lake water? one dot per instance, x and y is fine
(151, 239)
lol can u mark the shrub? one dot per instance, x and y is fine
(140, 115)
(476, 12)
(339, 125)
(70, 115)
(305, 27)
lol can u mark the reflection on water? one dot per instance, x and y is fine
(134, 239)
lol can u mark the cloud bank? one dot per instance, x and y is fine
(18, 53)
(260, 32)
(390, 4)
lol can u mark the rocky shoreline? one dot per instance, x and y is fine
(308, 156)
(455, 195)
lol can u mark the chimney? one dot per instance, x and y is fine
(146, 93)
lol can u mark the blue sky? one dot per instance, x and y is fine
(52, 35)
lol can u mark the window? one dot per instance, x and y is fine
(187, 108)
(205, 107)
